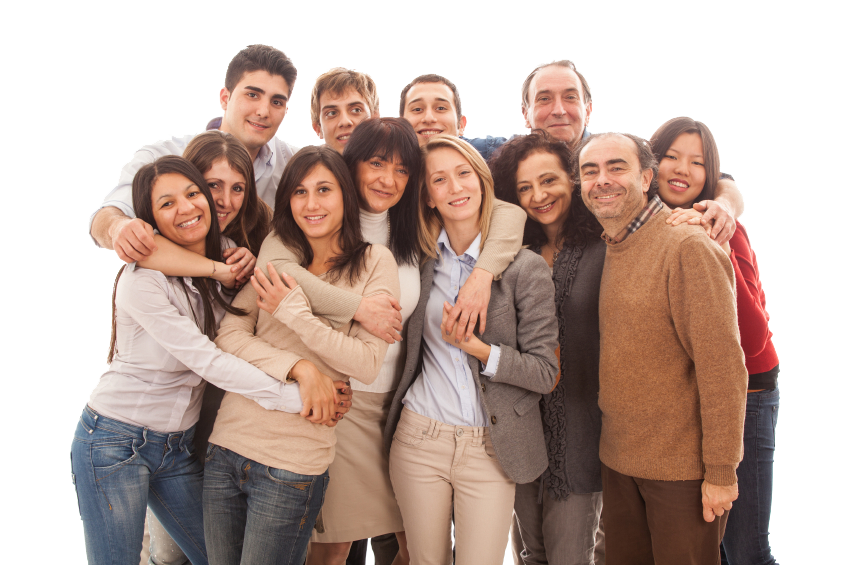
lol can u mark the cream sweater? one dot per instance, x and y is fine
(275, 343)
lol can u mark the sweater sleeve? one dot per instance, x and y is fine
(751, 314)
(237, 336)
(533, 365)
(336, 305)
(703, 308)
(504, 240)
(359, 354)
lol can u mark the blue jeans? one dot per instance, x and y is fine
(119, 469)
(255, 514)
(746, 540)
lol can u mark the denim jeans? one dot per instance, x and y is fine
(746, 540)
(119, 470)
(255, 514)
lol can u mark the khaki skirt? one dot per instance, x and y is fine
(360, 502)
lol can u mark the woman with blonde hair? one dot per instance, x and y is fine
(464, 426)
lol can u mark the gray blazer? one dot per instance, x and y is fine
(521, 320)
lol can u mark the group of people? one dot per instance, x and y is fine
(560, 338)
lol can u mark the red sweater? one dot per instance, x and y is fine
(752, 317)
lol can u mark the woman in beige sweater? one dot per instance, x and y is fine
(265, 477)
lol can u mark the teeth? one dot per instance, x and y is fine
(430, 132)
(220, 215)
(343, 137)
(459, 202)
(607, 197)
(679, 184)
(313, 218)
(546, 208)
(189, 223)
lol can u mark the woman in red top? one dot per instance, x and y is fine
(688, 169)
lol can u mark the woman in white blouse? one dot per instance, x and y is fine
(133, 444)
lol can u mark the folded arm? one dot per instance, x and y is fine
(146, 301)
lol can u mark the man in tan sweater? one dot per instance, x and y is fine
(672, 374)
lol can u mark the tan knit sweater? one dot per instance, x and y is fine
(275, 343)
(672, 373)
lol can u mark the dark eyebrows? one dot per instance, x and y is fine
(589, 166)
(615, 161)
(420, 99)
(258, 90)
(188, 186)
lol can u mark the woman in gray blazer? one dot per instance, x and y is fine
(465, 425)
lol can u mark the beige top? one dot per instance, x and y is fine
(275, 343)
(503, 242)
(672, 374)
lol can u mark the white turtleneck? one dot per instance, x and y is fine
(375, 228)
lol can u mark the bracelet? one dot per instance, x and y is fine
(213, 268)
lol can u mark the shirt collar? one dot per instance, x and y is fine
(653, 206)
(473, 252)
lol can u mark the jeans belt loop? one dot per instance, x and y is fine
(432, 429)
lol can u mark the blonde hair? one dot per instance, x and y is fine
(429, 218)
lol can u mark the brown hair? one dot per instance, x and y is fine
(252, 222)
(260, 58)
(143, 184)
(336, 81)
(388, 139)
(666, 135)
(351, 260)
(526, 86)
(434, 79)
(579, 225)
(430, 219)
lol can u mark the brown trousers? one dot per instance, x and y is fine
(657, 522)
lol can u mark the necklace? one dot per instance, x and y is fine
(554, 251)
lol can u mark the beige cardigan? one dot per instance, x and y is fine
(275, 343)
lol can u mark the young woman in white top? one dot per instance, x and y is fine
(133, 445)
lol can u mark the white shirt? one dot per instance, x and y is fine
(375, 229)
(268, 169)
(156, 379)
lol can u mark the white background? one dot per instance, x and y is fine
(84, 85)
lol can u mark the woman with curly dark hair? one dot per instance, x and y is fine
(558, 514)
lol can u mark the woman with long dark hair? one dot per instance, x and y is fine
(133, 446)
(688, 170)
(266, 474)
(242, 216)
(558, 514)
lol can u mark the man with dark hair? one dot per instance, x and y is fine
(431, 104)
(256, 92)
(672, 378)
(340, 100)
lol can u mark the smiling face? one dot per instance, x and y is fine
(380, 183)
(612, 183)
(544, 188)
(181, 211)
(431, 110)
(681, 171)
(339, 115)
(453, 187)
(255, 108)
(317, 205)
(556, 104)
(228, 191)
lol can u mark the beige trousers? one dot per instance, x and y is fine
(437, 469)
